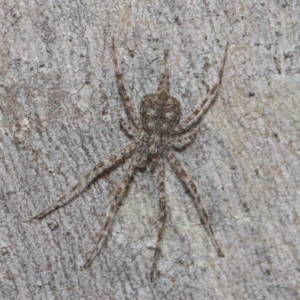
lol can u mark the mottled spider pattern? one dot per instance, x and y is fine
(156, 134)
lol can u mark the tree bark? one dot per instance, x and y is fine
(58, 101)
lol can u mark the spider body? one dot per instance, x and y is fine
(156, 135)
(160, 113)
(153, 145)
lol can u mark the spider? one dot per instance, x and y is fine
(156, 134)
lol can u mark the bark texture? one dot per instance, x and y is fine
(58, 100)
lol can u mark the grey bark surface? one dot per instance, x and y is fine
(58, 100)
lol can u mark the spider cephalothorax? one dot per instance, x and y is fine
(156, 134)
(153, 144)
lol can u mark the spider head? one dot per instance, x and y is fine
(153, 145)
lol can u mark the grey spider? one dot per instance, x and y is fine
(155, 134)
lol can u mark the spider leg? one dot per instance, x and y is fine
(174, 162)
(181, 127)
(102, 164)
(119, 191)
(127, 100)
(164, 84)
(162, 215)
(186, 139)
(130, 130)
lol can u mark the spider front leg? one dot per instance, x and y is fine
(182, 127)
(119, 191)
(162, 215)
(127, 100)
(174, 162)
(102, 164)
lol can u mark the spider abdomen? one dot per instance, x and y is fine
(160, 112)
